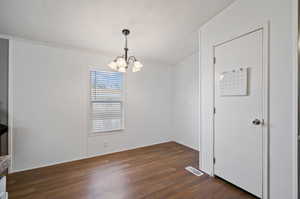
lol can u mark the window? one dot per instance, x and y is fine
(106, 101)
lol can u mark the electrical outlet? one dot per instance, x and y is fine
(105, 144)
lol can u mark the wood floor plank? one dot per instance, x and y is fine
(154, 172)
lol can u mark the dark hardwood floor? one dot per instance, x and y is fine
(155, 172)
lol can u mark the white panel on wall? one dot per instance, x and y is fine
(185, 102)
(51, 106)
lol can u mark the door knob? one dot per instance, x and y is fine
(256, 122)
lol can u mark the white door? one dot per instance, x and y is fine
(238, 117)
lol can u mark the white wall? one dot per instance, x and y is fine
(185, 101)
(50, 90)
(239, 16)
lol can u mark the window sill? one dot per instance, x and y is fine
(104, 133)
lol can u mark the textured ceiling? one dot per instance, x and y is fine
(161, 30)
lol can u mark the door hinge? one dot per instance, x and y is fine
(215, 60)
(214, 110)
(214, 160)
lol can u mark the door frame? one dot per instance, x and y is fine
(295, 68)
(265, 112)
(10, 96)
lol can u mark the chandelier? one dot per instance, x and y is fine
(121, 63)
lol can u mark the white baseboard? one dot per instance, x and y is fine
(189, 146)
(84, 157)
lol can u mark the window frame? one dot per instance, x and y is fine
(90, 104)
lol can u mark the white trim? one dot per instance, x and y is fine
(10, 97)
(295, 96)
(11, 103)
(88, 156)
(266, 109)
(4, 36)
(49, 164)
(265, 28)
(200, 165)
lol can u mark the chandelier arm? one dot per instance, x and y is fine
(118, 58)
(132, 58)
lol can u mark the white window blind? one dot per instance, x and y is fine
(106, 97)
